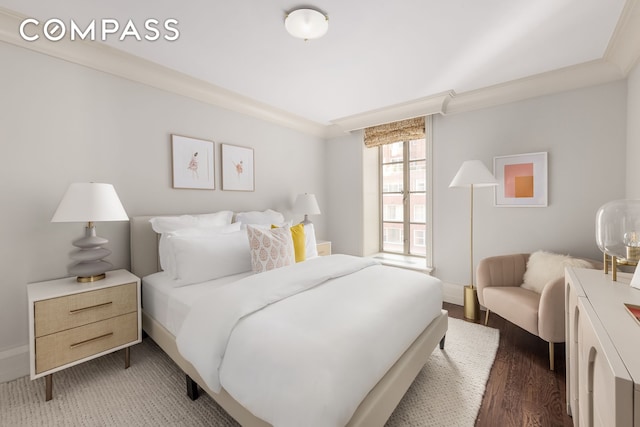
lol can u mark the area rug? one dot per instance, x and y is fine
(152, 392)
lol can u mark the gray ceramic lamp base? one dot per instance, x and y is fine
(88, 264)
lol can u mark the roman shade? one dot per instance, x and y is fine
(403, 130)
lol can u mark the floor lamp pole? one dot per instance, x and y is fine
(471, 304)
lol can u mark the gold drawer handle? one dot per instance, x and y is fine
(90, 340)
(78, 310)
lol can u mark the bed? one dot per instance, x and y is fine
(163, 326)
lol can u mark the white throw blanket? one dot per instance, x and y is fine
(203, 338)
(298, 354)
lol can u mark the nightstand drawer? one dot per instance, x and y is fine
(58, 314)
(74, 344)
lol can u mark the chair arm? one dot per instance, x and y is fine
(503, 270)
(551, 320)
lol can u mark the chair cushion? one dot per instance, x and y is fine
(515, 304)
(544, 267)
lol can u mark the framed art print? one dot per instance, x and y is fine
(192, 161)
(237, 168)
(522, 180)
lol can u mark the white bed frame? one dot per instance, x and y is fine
(376, 407)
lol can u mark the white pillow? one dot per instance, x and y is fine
(267, 217)
(310, 248)
(200, 258)
(544, 267)
(270, 248)
(168, 224)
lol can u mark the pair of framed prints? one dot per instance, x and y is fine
(193, 162)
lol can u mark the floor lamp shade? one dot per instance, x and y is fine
(90, 202)
(472, 173)
(308, 205)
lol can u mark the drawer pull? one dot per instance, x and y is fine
(90, 340)
(78, 310)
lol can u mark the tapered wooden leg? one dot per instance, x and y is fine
(486, 318)
(551, 356)
(48, 387)
(442, 342)
(127, 357)
(192, 388)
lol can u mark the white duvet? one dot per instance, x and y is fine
(304, 344)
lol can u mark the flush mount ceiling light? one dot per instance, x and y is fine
(306, 23)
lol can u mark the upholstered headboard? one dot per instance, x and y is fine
(144, 247)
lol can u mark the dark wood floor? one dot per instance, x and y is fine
(521, 390)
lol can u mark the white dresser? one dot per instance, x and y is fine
(602, 349)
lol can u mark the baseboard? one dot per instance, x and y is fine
(452, 293)
(14, 363)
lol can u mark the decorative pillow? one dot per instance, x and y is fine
(311, 250)
(168, 224)
(267, 218)
(266, 226)
(199, 258)
(270, 248)
(544, 267)
(299, 241)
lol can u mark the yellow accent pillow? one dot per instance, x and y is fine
(299, 241)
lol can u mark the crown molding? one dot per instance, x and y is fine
(624, 46)
(619, 59)
(101, 57)
(420, 107)
(574, 77)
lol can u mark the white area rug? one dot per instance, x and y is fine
(152, 392)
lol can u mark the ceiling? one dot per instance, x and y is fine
(376, 54)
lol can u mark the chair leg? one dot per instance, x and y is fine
(486, 318)
(551, 356)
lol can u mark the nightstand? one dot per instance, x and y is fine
(324, 247)
(71, 322)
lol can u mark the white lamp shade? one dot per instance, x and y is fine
(90, 202)
(306, 24)
(473, 172)
(306, 204)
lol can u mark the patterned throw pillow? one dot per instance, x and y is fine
(270, 248)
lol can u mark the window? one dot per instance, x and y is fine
(403, 171)
(404, 186)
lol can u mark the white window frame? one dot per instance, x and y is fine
(428, 206)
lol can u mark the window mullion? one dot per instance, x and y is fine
(406, 196)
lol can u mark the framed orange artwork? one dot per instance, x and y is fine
(522, 180)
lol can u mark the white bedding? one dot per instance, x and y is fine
(296, 348)
(168, 304)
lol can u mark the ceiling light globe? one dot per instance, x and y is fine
(306, 24)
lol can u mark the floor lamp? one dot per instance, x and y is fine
(472, 173)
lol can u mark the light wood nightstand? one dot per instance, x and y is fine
(71, 322)
(324, 247)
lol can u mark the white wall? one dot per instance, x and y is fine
(633, 134)
(61, 123)
(584, 134)
(345, 190)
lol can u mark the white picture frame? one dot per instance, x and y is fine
(522, 180)
(237, 168)
(193, 164)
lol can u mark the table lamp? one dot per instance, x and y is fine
(306, 204)
(90, 202)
